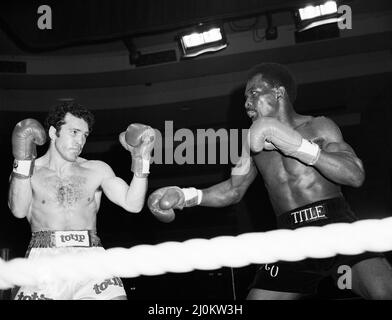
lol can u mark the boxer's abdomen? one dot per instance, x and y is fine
(290, 183)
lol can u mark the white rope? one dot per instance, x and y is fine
(203, 254)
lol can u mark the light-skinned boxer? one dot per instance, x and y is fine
(60, 193)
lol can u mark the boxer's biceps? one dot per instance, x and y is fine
(115, 189)
(338, 147)
(344, 151)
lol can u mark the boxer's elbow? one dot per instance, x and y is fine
(358, 179)
(19, 214)
(17, 211)
(236, 196)
(355, 177)
(137, 209)
(19, 202)
(352, 175)
(358, 174)
(134, 208)
(132, 202)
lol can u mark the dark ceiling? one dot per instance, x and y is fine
(82, 22)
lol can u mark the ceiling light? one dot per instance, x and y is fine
(202, 39)
(316, 15)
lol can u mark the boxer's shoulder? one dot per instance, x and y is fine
(326, 128)
(41, 166)
(312, 122)
(92, 164)
(316, 126)
(41, 161)
(323, 123)
(100, 168)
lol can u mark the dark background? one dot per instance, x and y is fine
(347, 78)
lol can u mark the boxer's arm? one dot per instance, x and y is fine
(337, 161)
(130, 197)
(163, 201)
(232, 190)
(27, 134)
(20, 196)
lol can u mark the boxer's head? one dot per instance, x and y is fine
(268, 85)
(56, 116)
(68, 126)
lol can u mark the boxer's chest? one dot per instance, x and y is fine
(278, 168)
(74, 188)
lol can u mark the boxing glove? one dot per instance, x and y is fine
(268, 130)
(162, 201)
(26, 135)
(139, 139)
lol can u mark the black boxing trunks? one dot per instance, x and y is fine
(304, 276)
(54, 243)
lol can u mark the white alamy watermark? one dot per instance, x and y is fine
(345, 18)
(345, 280)
(45, 19)
(201, 146)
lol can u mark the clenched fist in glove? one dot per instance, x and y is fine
(162, 201)
(267, 131)
(26, 135)
(139, 139)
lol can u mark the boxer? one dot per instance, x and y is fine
(304, 161)
(60, 193)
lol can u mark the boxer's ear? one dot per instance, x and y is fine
(52, 133)
(280, 92)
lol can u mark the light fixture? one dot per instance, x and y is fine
(271, 32)
(65, 99)
(313, 16)
(202, 39)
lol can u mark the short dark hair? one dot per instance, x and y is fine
(57, 115)
(276, 75)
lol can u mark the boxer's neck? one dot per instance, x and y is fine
(57, 163)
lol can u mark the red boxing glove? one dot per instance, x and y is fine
(162, 201)
(26, 135)
(139, 139)
(287, 140)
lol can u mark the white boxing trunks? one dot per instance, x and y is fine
(53, 243)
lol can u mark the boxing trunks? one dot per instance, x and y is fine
(304, 276)
(54, 243)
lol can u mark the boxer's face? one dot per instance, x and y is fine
(260, 99)
(72, 137)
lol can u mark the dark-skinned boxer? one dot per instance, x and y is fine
(60, 193)
(304, 161)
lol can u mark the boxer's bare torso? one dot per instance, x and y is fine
(290, 183)
(66, 200)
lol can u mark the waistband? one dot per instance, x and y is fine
(69, 238)
(318, 213)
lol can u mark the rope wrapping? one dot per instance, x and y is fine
(202, 254)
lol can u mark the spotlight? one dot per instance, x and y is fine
(202, 39)
(313, 16)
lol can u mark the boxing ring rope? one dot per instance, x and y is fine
(203, 254)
